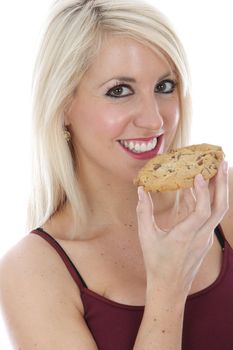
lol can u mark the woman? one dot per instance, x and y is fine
(144, 271)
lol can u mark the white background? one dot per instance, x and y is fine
(206, 29)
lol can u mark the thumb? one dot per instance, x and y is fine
(145, 211)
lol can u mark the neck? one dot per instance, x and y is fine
(110, 205)
(113, 202)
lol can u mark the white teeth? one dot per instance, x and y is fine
(143, 147)
(138, 147)
(131, 145)
(149, 146)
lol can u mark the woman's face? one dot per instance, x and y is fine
(126, 109)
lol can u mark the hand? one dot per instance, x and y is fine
(173, 258)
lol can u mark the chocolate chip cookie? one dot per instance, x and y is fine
(177, 168)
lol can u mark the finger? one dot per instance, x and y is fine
(220, 200)
(220, 196)
(203, 207)
(212, 184)
(189, 199)
(202, 210)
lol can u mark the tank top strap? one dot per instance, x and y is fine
(61, 252)
(220, 236)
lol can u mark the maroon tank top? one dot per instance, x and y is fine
(208, 317)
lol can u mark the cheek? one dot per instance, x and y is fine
(99, 120)
(113, 122)
(171, 115)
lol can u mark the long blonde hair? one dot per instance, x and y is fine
(73, 36)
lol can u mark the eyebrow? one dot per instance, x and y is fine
(132, 80)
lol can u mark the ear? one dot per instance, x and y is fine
(66, 119)
(66, 113)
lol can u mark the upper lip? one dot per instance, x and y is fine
(147, 139)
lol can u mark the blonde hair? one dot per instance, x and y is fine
(73, 36)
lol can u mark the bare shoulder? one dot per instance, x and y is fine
(31, 261)
(38, 297)
(227, 223)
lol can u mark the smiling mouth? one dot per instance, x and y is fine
(138, 147)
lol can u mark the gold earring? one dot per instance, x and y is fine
(66, 134)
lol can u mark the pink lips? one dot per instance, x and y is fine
(147, 139)
(147, 154)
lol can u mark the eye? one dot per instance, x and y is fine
(119, 90)
(166, 86)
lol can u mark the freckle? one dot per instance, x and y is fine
(154, 319)
(102, 254)
(163, 331)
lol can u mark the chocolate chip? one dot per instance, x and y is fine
(179, 155)
(157, 166)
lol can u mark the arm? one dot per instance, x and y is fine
(172, 260)
(40, 309)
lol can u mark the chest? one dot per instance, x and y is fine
(116, 270)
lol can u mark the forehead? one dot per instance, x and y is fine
(124, 55)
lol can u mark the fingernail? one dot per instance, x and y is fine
(200, 180)
(140, 193)
(225, 167)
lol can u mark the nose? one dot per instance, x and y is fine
(148, 114)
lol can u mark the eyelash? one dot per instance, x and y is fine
(122, 85)
(117, 86)
(172, 82)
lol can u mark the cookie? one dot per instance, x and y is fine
(177, 168)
